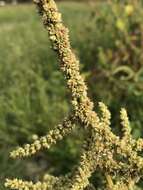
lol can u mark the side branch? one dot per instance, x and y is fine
(25, 185)
(47, 141)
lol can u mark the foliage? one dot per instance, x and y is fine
(117, 58)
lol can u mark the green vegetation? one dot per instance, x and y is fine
(32, 92)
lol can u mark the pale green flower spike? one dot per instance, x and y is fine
(116, 157)
(45, 142)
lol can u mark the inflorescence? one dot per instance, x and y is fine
(116, 157)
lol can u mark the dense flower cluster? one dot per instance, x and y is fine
(116, 157)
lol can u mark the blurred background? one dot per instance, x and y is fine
(107, 36)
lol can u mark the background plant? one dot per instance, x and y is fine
(118, 57)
